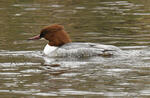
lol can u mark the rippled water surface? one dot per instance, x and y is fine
(26, 73)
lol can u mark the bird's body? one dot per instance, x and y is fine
(60, 44)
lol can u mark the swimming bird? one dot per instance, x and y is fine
(60, 44)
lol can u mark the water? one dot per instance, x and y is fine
(25, 72)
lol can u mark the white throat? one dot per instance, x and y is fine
(49, 49)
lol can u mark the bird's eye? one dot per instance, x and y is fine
(41, 35)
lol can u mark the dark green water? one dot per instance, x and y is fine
(24, 74)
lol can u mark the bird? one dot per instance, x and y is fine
(61, 45)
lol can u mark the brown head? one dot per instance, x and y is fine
(55, 34)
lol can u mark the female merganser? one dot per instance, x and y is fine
(60, 44)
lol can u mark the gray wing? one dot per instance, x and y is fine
(89, 46)
(86, 49)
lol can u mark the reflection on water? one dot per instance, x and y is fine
(124, 75)
(25, 71)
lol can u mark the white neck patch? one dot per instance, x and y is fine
(49, 49)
